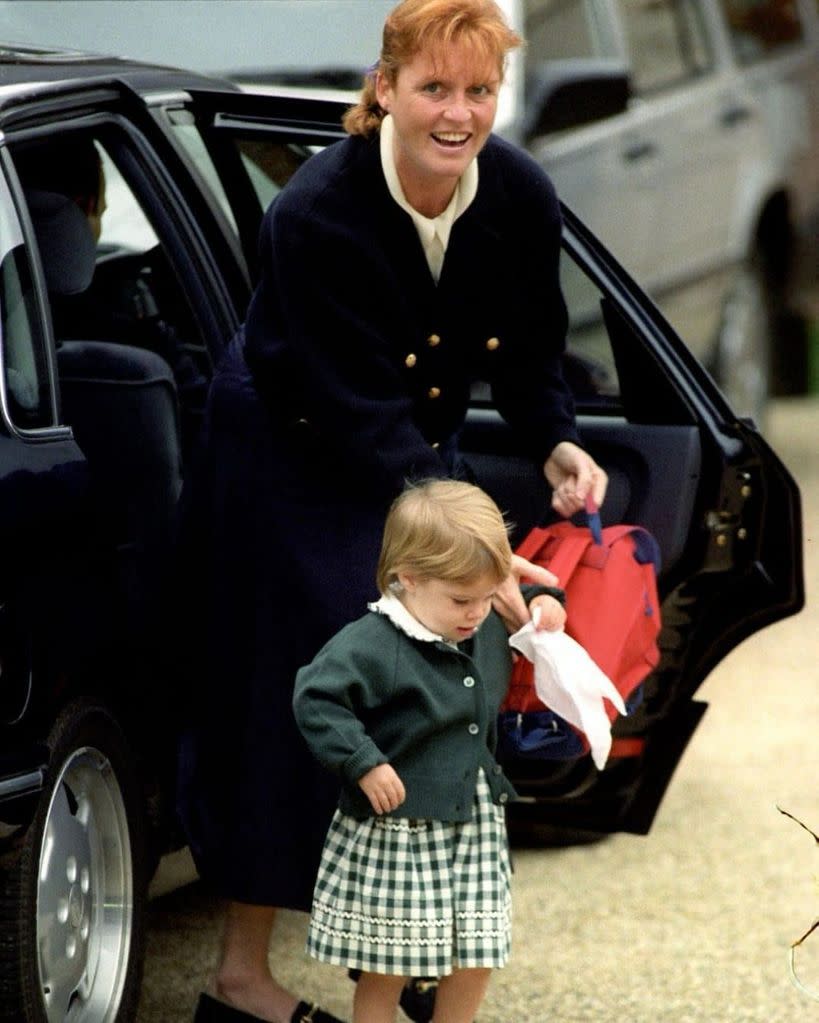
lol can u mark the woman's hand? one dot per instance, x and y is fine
(574, 475)
(508, 600)
(384, 789)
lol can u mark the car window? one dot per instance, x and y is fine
(268, 161)
(760, 28)
(558, 29)
(270, 164)
(589, 366)
(108, 275)
(667, 42)
(124, 225)
(24, 366)
(188, 134)
(252, 169)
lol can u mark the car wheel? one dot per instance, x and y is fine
(743, 350)
(74, 897)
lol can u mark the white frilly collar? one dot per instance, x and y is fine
(401, 618)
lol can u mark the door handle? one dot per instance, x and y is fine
(639, 151)
(732, 116)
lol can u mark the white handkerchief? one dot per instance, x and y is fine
(569, 682)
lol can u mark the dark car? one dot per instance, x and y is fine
(106, 352)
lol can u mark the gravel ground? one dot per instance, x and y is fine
(690, 924)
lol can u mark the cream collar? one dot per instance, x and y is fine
(427, 227)
(401, 618)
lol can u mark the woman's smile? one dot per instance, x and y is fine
(451, 139)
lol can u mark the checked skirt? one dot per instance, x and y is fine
(412, 897)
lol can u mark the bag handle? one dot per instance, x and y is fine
(571, 547)
(569, 553)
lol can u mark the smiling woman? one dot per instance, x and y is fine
(398, 267)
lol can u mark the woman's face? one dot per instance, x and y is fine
(443, 104)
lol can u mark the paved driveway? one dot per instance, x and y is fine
(690, 924)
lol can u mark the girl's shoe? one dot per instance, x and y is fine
(417, 996)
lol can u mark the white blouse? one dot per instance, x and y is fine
(433, 231)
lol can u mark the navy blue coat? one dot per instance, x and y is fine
(352, 374)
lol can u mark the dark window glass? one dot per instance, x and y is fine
(25, 370)
(760, 28)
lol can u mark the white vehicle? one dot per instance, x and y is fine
(686, 132)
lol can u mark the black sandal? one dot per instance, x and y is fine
(417, 996)
(211, 1010)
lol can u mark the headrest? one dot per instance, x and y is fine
(67, 246)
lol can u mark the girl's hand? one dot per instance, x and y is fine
(574, 475)
(548, 614)
(508, 601)
(384, 789)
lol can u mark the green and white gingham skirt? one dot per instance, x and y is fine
(415, 898)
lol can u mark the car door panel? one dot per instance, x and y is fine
(679, 463)
(646, 467)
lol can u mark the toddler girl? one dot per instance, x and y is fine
(402, 704)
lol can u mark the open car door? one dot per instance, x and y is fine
(722, 507)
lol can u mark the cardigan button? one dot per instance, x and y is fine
(433, 340)
(473, 729)
(493, 344)
(469, 681)
(410, 360)
(503, 798)
(434, 392)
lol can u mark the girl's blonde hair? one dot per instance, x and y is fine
(416, 25)
(444, 529)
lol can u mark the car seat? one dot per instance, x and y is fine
(121, 404)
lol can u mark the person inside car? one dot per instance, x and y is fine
(120, 307)
(400, 265)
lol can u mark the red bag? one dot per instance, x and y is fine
(613, 612)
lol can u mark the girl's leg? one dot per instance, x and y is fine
(376, 998)
(460, 995)
(243, 977)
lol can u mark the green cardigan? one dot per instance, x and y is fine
(374, 695)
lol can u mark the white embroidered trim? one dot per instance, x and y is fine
(401, 618)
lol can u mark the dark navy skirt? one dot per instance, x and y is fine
(278, 552)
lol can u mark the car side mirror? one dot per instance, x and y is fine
(570, 93)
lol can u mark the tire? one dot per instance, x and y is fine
(742, 364)
(73, 900)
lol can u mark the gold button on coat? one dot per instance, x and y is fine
(433, 340)
(410, 360)
(493, 343)
(434, 392)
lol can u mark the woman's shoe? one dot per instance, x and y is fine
(211, 1010)
(307, 1012)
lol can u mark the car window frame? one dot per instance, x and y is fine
(218, 116)
(751, 58)
(55, 430)
(686, 76)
